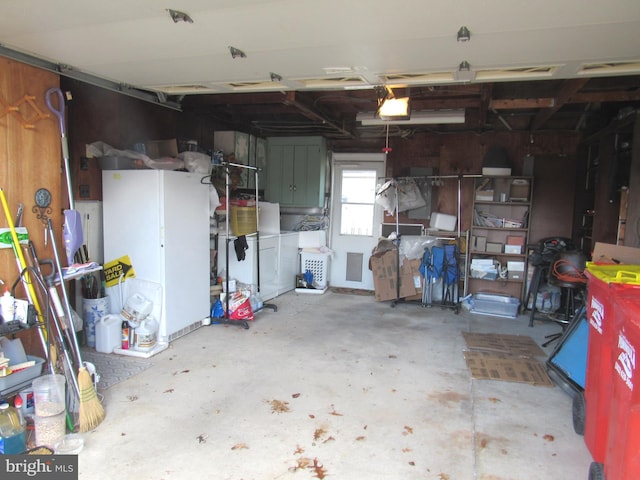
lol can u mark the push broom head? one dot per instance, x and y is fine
(91, 410)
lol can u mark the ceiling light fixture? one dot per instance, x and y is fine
(394, 109)
(236, 52)
(390, 107)
(423, 117)
(464, 72)
(464, 35)
(178, 16)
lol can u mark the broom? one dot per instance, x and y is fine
(91, 410)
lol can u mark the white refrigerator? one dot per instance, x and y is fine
(160, 219)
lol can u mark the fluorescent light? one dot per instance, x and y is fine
(423, 117)
(394, 109)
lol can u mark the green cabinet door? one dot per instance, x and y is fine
(279, 185)
(296, 171)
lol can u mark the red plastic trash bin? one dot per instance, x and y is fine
(622, 459)
(604, 283)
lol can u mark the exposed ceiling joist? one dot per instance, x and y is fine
(521, 103)
(290, 99)
(568, 88)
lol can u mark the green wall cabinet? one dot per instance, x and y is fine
(296, 169)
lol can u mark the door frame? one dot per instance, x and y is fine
(376, 161)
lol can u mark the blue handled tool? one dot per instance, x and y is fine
(72, 231)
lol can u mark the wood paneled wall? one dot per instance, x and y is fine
(30, 158)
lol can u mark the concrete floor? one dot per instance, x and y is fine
(357, 388)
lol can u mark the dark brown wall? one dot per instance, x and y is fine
(554, 189)
(463, 154)
(632, 234)
(97, 114)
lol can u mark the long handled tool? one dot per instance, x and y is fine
(72, 231)
(22, 265)
(91, 410)
(60, 330)
(56, 339)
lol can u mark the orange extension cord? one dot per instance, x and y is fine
(571, 272)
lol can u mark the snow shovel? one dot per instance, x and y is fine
(72, 231)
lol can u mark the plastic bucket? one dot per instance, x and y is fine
(50, 430)
(108, 333)
(49, 395)
(93, 309)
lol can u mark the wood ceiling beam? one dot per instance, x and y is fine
(233, 99)
(521, 103)
(485, 104)
(290, 99)
(612, 96)
(566, 91)
(578, 97)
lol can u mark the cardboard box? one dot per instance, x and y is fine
(479, 244)
(442, 221)
(413, 267)
(484, 195)
(161, 148)
(386, 277)
(609, 253)
(484, 268)
(515, 270)
(513, 249)
(518, 345)
(515, 240)
(519, 191)
(494, 247)
(508, 368)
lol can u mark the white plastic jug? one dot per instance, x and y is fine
(108, 333)
(146, 335)
(136, 308)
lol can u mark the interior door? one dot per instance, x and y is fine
(355, 217)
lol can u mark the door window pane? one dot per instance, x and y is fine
(358, 194)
